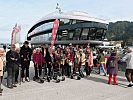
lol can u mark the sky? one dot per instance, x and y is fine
(27, 12)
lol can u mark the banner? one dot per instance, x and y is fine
(15, 37)
(54, 31)
(12, 35)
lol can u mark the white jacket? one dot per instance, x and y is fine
(128, 58)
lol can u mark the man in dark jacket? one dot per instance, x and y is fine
(25, 54)
(11, 67)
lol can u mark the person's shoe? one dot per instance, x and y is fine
(87, 76)
(115, 84)
(105, 75)
(0, 94)
(130, 85)
(23, 80)
(5, 78)
(109, 83)
(27, 79)
(16, 82)
(10, 86)
(14, 85)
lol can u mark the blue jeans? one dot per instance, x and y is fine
(102, 67)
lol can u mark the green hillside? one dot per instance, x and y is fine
(120, 30)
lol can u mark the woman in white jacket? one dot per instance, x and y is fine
(128, 58)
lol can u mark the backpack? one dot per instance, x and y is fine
(112, 63)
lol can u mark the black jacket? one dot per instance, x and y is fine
(48, 57)
(11, 54)
(26, 53)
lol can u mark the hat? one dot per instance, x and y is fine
(70, 44)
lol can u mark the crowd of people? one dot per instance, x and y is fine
(72, 59)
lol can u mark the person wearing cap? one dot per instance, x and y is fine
(89, 61)
(128, 58)
(81, 61)
(2, 66)
(11, 59)
(112, 67)
(25, 54)
(38, 61)
(101, 60)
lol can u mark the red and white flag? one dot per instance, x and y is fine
(54, 31)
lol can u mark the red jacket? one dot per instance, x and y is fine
(35, 59)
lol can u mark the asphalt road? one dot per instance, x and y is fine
(93, 88)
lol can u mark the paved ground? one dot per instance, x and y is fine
(93, 88)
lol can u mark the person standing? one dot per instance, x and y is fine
(18, 65)
(11, 67)
(45, 53)
(89, 61)
(57, 54)
(25, 54)
(69, 62)
(65, 52)
(51, 60)
(128, 58)
(101, 60)
(2, 66)
(62, 62)
(38, 61)
(81, 61)
(112, 67)
(71, 49)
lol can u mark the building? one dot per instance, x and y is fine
(74, 27)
